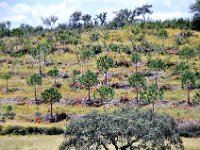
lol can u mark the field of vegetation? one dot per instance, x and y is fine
(84, 76)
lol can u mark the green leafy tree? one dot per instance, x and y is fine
(51, 95)
(7, 77)
(187, 53)
(135, 59)
(86, 53)
(54, 72)
(195, 8)
(18, 33)
(137, 81)
(104, 93)
(188, 78)
(156, 65)
(151, 94)
(89, 79)
(105, 63)
(35, 80)
(163, 34)
(122, 129)
(36, 54)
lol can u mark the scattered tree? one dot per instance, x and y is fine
(35, 80)
(54, 72)
(187, 53)
(105, 63)
(7, 77)
(151, 94)
(104, 93)
(135, 59)
(188, 78)
(51, 95)
(89, 79)
(137, 81)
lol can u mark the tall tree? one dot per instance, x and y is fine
(51, 95)
(143, 10)
(50, 21)
(35, 80)
(105, 63)
(89, 79)
(136, 81)
(102, 18)
(195, 8)
(75, 19)
(18, 33)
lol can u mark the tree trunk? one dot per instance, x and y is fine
(153, 105)
(51, 109)
(55, 81)
(35, 88)
(156, 77)
(137, 92)
(188, 93)
(89, 92)
(6, 86)
(106, 78)
(136, 68)
(40, 67)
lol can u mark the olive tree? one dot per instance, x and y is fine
(122, 130)
(105, 63)
(188, 78)
(104, 93)
(89, 79)
(187, 53)
(156, 65)
(51, 95)
(7, 77)
(54, 72)
(34, 80)
(163, 34)
(136, 81)
(151, 94)
(135, 59)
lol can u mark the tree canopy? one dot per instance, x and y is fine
(123, 129)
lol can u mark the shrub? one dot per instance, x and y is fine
(19, 130)
(114, 47)
(97, 49)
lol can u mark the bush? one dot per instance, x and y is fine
(19, 130)
(94, 37)
(114, 47)
(97, 49)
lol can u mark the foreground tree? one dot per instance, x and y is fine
(135, 59)
(89, 79)
(51, 95)
(151, 94)
(7, 77)
(122, 130)
(188, 78)
(35, 80)
(195, 8)
(137, 81)
(105, 63)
